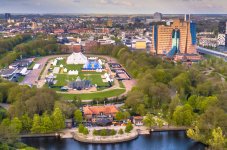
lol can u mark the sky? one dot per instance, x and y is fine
(115, 6)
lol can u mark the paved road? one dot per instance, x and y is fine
(32, 77)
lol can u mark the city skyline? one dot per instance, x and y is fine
(115, 6)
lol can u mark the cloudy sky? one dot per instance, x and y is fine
(114, 6)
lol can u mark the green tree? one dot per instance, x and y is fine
(81, 128)
(47, 124)
(126, 115)
(141, 109)
(95, 132)
(149, 121)
(58, 119)
(120, 132)
(103, 132)
(183, 115)
(112, 132)
(128, 127)
(26, 123)
(217, 140)
(36, 126)
(67, 108)
(173, 104)
(85, 131)
(78, 116)
(194, 133)
(16, 123)
(8, 134)
(119, 116)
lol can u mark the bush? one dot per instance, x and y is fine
(85, 131)
(81, 128)
(112, 132)
(120, 132)
(129, 127)
(103, 132)
(95, 132)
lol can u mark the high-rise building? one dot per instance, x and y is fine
(187, 17)
(178, 38)
(222, 30)
(157, 16)
(7, 16)
(222, 27)
(109, 23)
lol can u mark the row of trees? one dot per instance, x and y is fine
(40, 124)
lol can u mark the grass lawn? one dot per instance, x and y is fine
(121, 84)
(30, 67)
(21, 78)
(100, 95)
(64, 79)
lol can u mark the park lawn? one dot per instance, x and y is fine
(96, 79)
(90, 96)
(64, 79)
(69, 66)
(121, 84)
(21, 78)
(30, 67)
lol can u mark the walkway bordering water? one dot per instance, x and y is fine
(106, 139)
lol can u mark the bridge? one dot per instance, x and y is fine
(202, 50)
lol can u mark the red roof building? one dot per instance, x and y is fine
(94, 112)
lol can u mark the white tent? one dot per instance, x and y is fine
(55, 62)
(77, 58)
(65, 70)
(72, 72)
(100, 62)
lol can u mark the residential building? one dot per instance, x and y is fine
(100, 114)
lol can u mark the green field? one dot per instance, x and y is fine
(64, 79)
(91, 96)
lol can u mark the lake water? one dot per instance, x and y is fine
(171, 140)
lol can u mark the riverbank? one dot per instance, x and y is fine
(90, 138)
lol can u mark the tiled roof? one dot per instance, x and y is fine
(95, 110)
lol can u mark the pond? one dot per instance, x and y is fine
(170, 140)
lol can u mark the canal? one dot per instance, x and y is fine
(171, 140)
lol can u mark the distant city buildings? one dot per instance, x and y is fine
(109, 23)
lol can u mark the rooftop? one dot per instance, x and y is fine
(96, 110)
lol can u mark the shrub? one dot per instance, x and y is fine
(95, 132)
(120, 132)
(103, 132)
(129, 127)
(81, 128)
(85, 131)
(112, 132)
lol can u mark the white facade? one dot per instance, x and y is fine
(221, 39)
